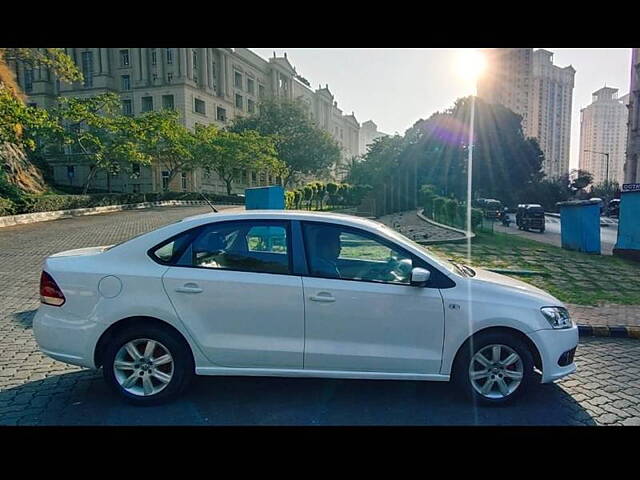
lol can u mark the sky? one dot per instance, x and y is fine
(396, 87)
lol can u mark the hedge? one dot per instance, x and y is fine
(48, 203)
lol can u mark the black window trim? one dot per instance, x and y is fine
(389, 243)
(196, 232)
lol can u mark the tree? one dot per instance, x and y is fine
(228, 153)
(606, 190)
(303, 147)
(382, 158)
(580, 179)
(168, 143)
(96, 132)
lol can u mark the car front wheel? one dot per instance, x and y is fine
(147, 365)
(494, 369)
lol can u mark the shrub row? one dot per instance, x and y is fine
(49, 203)
(447, 210)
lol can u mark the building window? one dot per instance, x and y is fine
(167, 102)
(154, 56)
(260, 91)
(28, 80)
(147, 104)
(165, 180)
(253, 178)
(251, 106)
(237, 80)
(87, 68)
(125, 83)
(124, 58)
(184, 181)
(221, 114)
(169, 56)
(199, 106)
(135, 169)
(169, 77)
(194, 54)
(71, 171)
(135, 188)
(239, 101)
(126, 107)
(250, 86)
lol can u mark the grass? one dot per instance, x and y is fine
(572, 277)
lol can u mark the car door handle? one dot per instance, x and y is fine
(189, 288)
(322, 297)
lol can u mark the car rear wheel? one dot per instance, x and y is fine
(494, 368)
(147, 365)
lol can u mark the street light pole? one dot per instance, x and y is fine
(605, 154)
(470, 174)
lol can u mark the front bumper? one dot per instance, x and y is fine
(65, 337)
(552, 344)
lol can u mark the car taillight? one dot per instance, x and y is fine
(50, 293)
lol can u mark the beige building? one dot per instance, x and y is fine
(368, 133)
(603, 129)
(632, 163)
(205, 85)
(528, 83)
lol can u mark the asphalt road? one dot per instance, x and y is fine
(37, 390)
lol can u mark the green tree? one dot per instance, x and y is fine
(580, 180)
(605, 190)
(229, 153)
(332, 190)
(303, 147)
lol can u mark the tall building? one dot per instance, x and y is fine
(205, 85)
(603, 129)
(368, 133)
(528, 83)
(632, 164)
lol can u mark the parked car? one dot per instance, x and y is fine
(295, 294)
(613, 209)
(530, 216)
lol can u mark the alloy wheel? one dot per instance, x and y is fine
(496, 371)
(143, 367)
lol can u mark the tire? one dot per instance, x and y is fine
(169, 378)
(542, 230)
(509, 344)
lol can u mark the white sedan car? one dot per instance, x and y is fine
(297, 294)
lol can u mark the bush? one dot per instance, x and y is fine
(7, 207)
(450, 207)
(438, 207)
(289, 200)
(476, 218)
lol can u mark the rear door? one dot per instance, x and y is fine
(234, 290)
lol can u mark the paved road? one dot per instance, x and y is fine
(36, 390)
(608, 234)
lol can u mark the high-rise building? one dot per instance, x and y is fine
(632, 164)
(603, 136)
(368, 133)
(528, 83)
(205, 85)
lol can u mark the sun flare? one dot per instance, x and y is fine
(470, 64)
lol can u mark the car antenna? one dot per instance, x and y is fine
(209, 203)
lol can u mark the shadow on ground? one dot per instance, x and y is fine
(25, 318)
(82, 398)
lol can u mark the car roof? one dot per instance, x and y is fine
(285, 215)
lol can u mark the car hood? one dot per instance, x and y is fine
(513, 285)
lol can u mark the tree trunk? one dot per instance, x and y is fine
(228, 182)
(92, 173)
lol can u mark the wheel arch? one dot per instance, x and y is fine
(120, 325)
(537, 358)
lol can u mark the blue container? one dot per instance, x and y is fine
(628, 243)
(580, 225)
(264, 198)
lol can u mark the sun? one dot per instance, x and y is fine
(470, 64)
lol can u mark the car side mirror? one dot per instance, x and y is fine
(420, 277)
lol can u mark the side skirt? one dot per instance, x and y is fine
(268, 372)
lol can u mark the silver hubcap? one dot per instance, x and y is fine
(496, 371)
(143, 367)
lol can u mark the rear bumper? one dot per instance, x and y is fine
(552, 344)
(65, 337)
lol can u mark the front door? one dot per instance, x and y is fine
(362, 314)
(235, 292)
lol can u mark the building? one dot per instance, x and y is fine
(632, 163)
(603, 129)
(205, 85)
(368, 133)
(528, 83)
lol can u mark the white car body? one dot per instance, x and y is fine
(246, 323)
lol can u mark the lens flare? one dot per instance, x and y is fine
(470, 64)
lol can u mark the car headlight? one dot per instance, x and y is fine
(558, 317)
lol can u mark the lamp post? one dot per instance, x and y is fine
(607, 155)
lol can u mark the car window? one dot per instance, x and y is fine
(340, 252)
(168, 252)
(245, 246)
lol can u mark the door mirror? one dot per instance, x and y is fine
(419, 277)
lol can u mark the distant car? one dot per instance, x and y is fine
(530, 216)
(613, 209)
(491, 207)
(295, 294)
